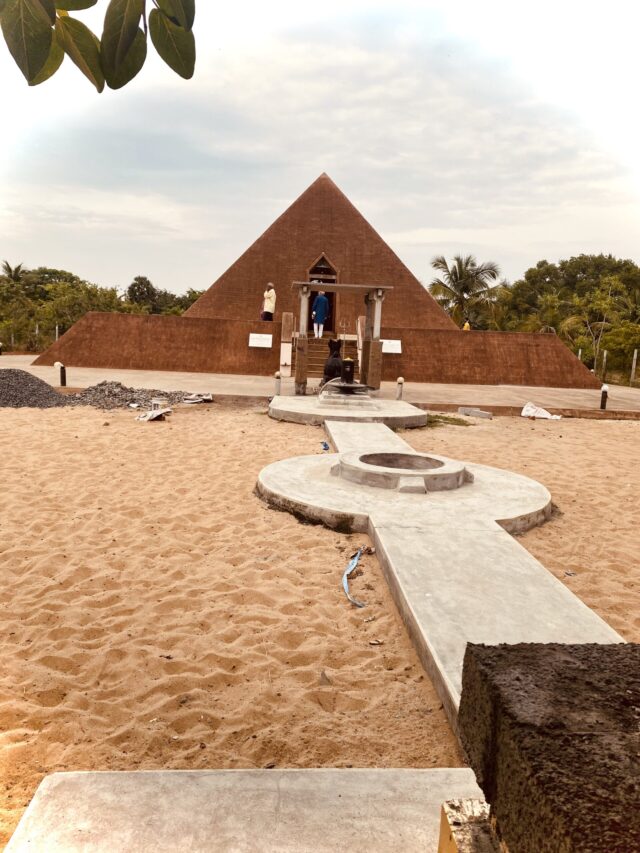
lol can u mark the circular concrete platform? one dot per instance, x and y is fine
(395, 414)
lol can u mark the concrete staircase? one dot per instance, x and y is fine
(319, 353)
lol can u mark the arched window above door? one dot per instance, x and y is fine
(323, 271)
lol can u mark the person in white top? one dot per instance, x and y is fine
(269, 303)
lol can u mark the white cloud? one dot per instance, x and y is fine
(446, 124)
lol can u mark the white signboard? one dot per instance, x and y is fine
(264, 341)
(391, 346)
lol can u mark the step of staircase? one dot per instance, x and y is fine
(319, 353)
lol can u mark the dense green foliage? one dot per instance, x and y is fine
(149, 300)
(39, 33)
(34, 302)
(591, 301)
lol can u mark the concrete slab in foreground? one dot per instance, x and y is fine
(240, 810)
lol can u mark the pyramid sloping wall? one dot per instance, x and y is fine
(321, 221)
(155, 342)
(139, 342)
(485, 358)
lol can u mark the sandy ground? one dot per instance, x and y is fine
(155, 614)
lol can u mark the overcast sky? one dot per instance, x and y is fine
(453, 127)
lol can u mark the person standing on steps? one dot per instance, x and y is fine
(319, 313)
(269, 303)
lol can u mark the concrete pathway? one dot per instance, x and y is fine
(455, 571)
(241, 811)
(482, 396)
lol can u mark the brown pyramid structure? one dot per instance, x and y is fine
(320, 237)
(321, 233)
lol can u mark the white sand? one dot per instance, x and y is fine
(156, 614)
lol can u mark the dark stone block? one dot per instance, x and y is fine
(552, 732)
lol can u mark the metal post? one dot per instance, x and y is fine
(400, 388)
(604, 366)
(633, 366)
(278, 383)
(63, 373)
(57, 335)
(603, 396)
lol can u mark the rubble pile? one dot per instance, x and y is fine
(114, 395)
(19, 389)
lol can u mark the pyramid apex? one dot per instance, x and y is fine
(324, 180)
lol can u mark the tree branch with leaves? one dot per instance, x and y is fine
(39, 33)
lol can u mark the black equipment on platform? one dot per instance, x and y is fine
(348, 368)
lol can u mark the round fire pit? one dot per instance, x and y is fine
(404, 472)
(404, 461)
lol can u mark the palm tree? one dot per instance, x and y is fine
(464, 286)
(13, 273)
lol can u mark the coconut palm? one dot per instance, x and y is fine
(464, 286)
(13, 273)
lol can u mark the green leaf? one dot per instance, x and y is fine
(176, 46)
(27, 31)
(82, 48)
(56, 55)
(120, 28)
(50, 10)
(181, 12)
(75, 5)
(133, 62)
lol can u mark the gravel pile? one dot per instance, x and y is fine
(20, 389)
(114, 395)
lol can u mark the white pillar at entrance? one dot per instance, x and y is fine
(304, 311)
(378, 297)
(368, 320)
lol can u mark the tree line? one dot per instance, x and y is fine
(592, 302)
(36, 305)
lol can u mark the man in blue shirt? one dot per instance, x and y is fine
(319, 313)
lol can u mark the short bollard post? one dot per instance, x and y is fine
(400, 388)
(603, 396)
(63, 373)
(278, 383)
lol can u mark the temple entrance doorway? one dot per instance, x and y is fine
(322, 272)
(330, 322)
